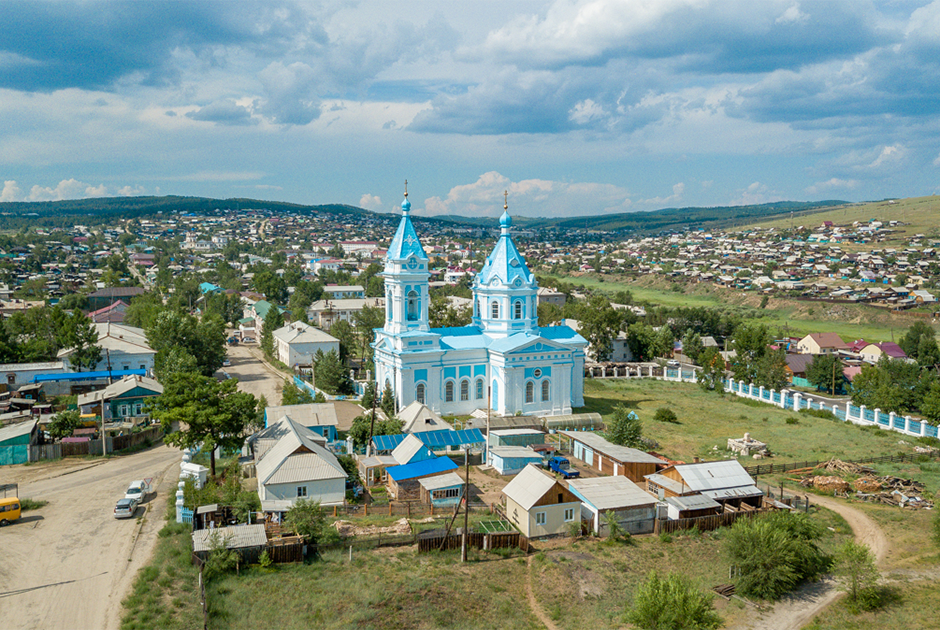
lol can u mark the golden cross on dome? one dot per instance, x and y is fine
(406, 187)
(505, 200)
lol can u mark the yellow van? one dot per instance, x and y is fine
(9, 510)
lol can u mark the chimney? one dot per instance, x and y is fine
(696, 460)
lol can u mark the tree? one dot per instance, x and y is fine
(443, 314)
(692, 345)
(80, 334)
(641, 339)
(368, 395)
(329, 373)
(197, 410)
(204, 340)
(771, 370)
(825, 372)
(920, 343)
(855, 563)
(273, 320)
(624, 428)
(306, 518)
(600, 325)
(672, 603)
(64, 423)
(388, 400)
(892, 385)
(774, 553)
(930, 407)
(712, 372)
(173, 360)
(293, 395)
(344, 332)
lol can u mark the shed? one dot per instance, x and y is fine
(15, 440)
(403, 481)
(630, 505)
(509, 460)
(584, 421)
(611, 459)
(411, 450)
(723, 481)
(540, 506)
(248, 540)
(372, 469)
(692, 506)
(516, 437)
(442, 490)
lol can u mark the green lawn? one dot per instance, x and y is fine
(707, 420)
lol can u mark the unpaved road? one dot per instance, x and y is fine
(70, 564)
(799, 609)
(254, 376)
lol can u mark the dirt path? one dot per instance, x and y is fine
(800, 608)
(70, 564)
(533, 604)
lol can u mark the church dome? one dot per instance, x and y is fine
(505, 221)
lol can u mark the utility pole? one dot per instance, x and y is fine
(375, 394)
(466, 510)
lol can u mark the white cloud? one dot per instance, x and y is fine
(586, 111)
(96, 191)
(370, 202)
(530, 197)
(11, 192)
(130, 191)
(67, 189)
(889, 155)
(834, 183)
(756, 193)
(675, 197)
(792, 15)
(936, 161)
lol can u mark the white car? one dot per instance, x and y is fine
(673, 363)
(125, 508)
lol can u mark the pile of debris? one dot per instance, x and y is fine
(346, 529)
(847, 468)
(892, 491)
(826, 484)
(747, 446)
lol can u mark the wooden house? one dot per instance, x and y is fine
(538, 505)
(611, 459)
(724, 481)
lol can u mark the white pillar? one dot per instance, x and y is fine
(760, 393)
(797, 400)
(848, 409)
(923, 428)
(878, 416)
(730, 386)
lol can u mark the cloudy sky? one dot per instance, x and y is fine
(574, 107)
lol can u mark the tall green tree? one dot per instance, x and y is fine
(293, 395)
(79, 334)
(920, 343)
(624, 428)
(330, 374)
(388, 400)
(64, 423)
(272, 321)
(713, 371)
(825, 372)
(365, 323)
(600, 325)
(346, 335)
(856, 564)
(200, 411)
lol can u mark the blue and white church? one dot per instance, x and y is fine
(527, 369)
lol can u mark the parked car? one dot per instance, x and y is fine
(562, 466)
(231, 341)
(672, 363)
(125, 508)
(248, 340)
(9, 510)
(227, 363)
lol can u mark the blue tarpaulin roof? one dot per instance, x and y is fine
(420, 469)
(86, 376)
(431, 439)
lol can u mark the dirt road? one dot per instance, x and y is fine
(254, 376)
(799, 609)
(70, 564)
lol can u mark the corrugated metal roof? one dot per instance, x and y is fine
(507, 452)
(16, 430)
(235, 537)
(309, 415)
(714, 475)
(295, 445)
(611, 493)
(420, 469)
(433, 439)
(733, 493)
(529, 486)
(667, 483)
(411, 450)
(591, 419)
(447, 480)
(507, 432)
(693, 502)
(620, 453)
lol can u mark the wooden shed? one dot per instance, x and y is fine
(611, 459)
(248, 540)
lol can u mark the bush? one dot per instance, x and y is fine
(792, 420)
(855, 562)
(774, 553)
(672, 603)
(819, 413)
(665, 414)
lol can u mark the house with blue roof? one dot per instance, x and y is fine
(404, 482)
(503, 356)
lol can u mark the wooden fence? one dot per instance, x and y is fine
(39, 452)
(286, 550)
(496, 540)
(703, 523)
(402, 508)
(769, 469)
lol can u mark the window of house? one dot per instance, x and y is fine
(11, 379)
(464, 390)
(540, 518)
(301, 491)
(529, 392)
(419, 393)
(446, 493)
(138, 409)
(569, 515)
(494, 310)
(546, 390)
(479, 389)
(449, 391)
(124, 410)
(517, 314)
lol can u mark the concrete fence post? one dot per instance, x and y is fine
(861, 413)
(923, 428)
(797, 399)
(877, 416)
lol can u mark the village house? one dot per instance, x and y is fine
(821, 343)
(540, 506)
(725, 482)
(297, 343)
(608, 458)
(602, 498)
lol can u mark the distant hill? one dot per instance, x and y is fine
(15, 215)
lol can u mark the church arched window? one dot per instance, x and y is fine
(546, 390)
(479, 389)
(449, 391)
(517, 313)
(420, 392)
(414, 306)
(464, 390)
(530, 392)
(494, 310)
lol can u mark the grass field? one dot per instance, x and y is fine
(707, 420)
(791, 317)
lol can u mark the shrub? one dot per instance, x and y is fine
(792, 420)
(818, 413)
(665, 414)
(672, 603)
(855, 562)
(265, 560)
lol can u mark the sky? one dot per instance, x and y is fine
(574, 107)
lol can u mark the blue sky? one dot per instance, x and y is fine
(576, 107)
